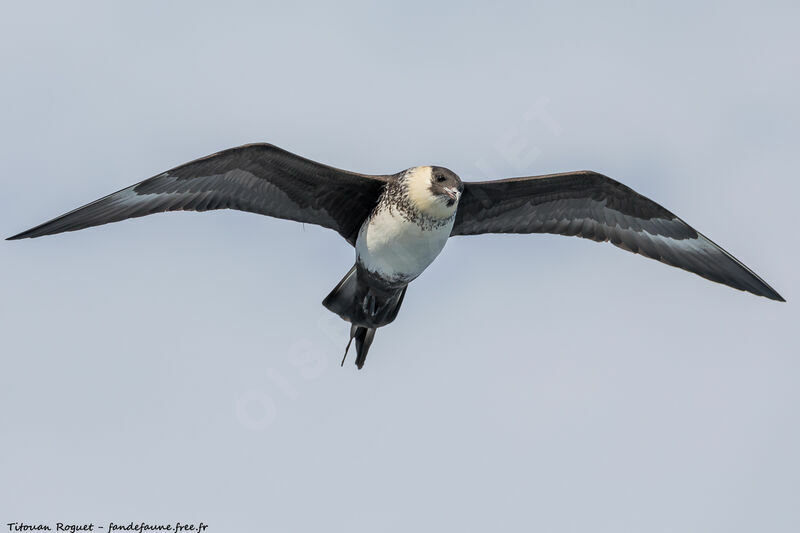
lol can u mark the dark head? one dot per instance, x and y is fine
(446, 184)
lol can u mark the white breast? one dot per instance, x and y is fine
(398, 249)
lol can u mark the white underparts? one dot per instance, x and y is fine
(397, 249)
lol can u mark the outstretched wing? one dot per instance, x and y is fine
(593, 206)
(259, 178)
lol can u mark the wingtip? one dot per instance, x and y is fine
(772, 294)
(27, 234)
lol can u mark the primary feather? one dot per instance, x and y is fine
(259, 178)
(590, 205)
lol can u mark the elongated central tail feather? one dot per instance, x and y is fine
(365, 307)
(363, 337)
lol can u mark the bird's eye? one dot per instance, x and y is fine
(440, 179)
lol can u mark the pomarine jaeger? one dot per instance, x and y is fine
(399, 223)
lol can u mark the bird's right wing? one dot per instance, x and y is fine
(259, 178)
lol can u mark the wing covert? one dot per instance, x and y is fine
(589, 205)
(258, 178)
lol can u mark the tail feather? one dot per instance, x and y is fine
(367, 308)
(361, 304)
(341, 298)
(363, 337)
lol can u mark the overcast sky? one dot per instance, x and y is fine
(180, 367)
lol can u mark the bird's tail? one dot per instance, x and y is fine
(363, 337)
(365, 307)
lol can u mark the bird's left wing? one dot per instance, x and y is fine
(593, 206)
(259, 178)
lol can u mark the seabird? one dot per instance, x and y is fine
(399, 223)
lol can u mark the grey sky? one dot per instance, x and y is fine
(181, 367)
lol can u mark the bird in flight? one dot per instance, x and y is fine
(399, 223)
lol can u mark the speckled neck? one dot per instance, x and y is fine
(396, 197)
